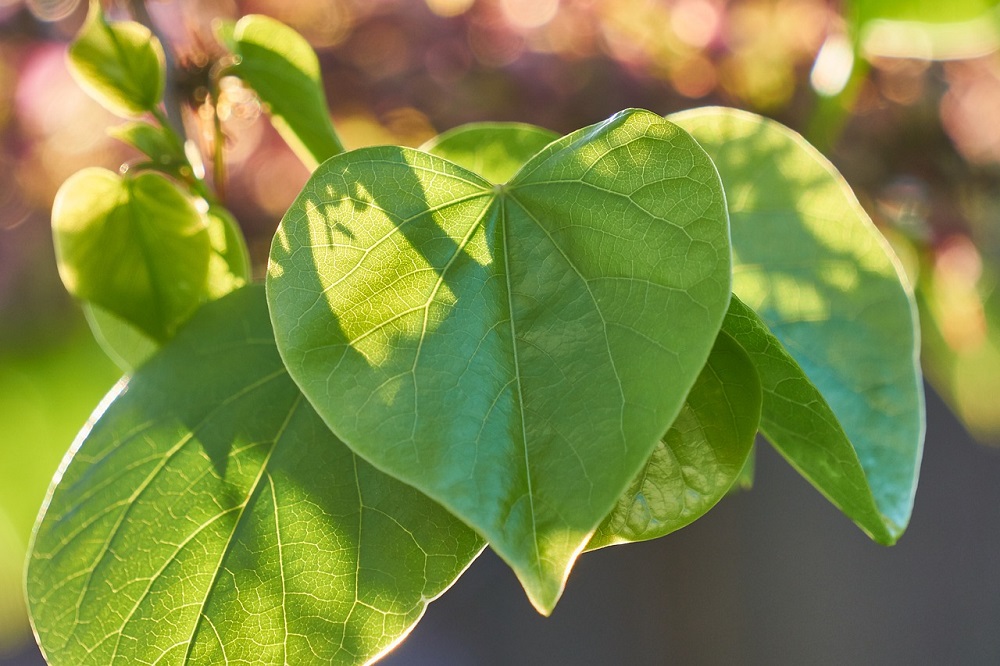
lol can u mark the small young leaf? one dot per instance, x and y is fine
(282, 68)
(515, 351)
(809, 262)
(152, 141)
(228, 270)
(207, 515)
(119, 64)
(134, 246)
(495, 151)
(229, 265)
(699, 459)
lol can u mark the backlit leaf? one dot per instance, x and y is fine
(516, 352)
(495, 151)
(207, 515)
(119, 64)
(134, 246)
(282, 68)
(809, 262)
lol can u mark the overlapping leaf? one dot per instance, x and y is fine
(119, 64)
(134, 246)
(701, 456)
(495, 151)
(809, 262)
(709, 442)
(514, 351)
(207, 515)
(282, 68)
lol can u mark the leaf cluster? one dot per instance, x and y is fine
(545, 344)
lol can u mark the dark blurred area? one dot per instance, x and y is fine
(770, 576)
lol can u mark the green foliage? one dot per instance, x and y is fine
(157, 237)
(809, 262)
(699, 459)
(545, 344)
(470, 339)
(120, 64)
(209, 516)
(283, 69)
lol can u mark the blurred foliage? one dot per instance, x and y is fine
(916, 138)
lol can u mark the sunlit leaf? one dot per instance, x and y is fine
(926, 28)
(495, 151)
(207, 515)
(228, 270)
(119, 64)
(516, 351)
(134, 246)
(809, 262)
(282, 68)
(154, 142)
(701, 456)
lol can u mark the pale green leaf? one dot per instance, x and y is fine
(119, 64)
(282, 68)
(926, 29)
(699, 459)
(228, 270)
(495, 151)
(206, 515)
(154, 142)
(134, 246)
(515, 351)
(809, 262)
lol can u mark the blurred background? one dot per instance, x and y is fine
(904, 96)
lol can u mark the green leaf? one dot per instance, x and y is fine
(207, 515)
(229, 265)
(154, 142)
(926, 29)
(282, 68)
(119, 64)
(124, 344)
(134, 246)
(515, 351)
(495, 151)
(809, 262)
(228, 270)
(699, 459)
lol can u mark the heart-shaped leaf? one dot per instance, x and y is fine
(514, 351)
(134, 246)
(207, 515)
(809, 262)
(119, 64)
(282, 68)
(495, 151)
(228, 270)
(693, 465)
(699, 459)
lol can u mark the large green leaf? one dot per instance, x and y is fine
(228, 270)
(495, 151)
(515, 351)
(701, 456)
(134, 246)
(808, 260)
(207, 515)
(119, 64)
(282, 68)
